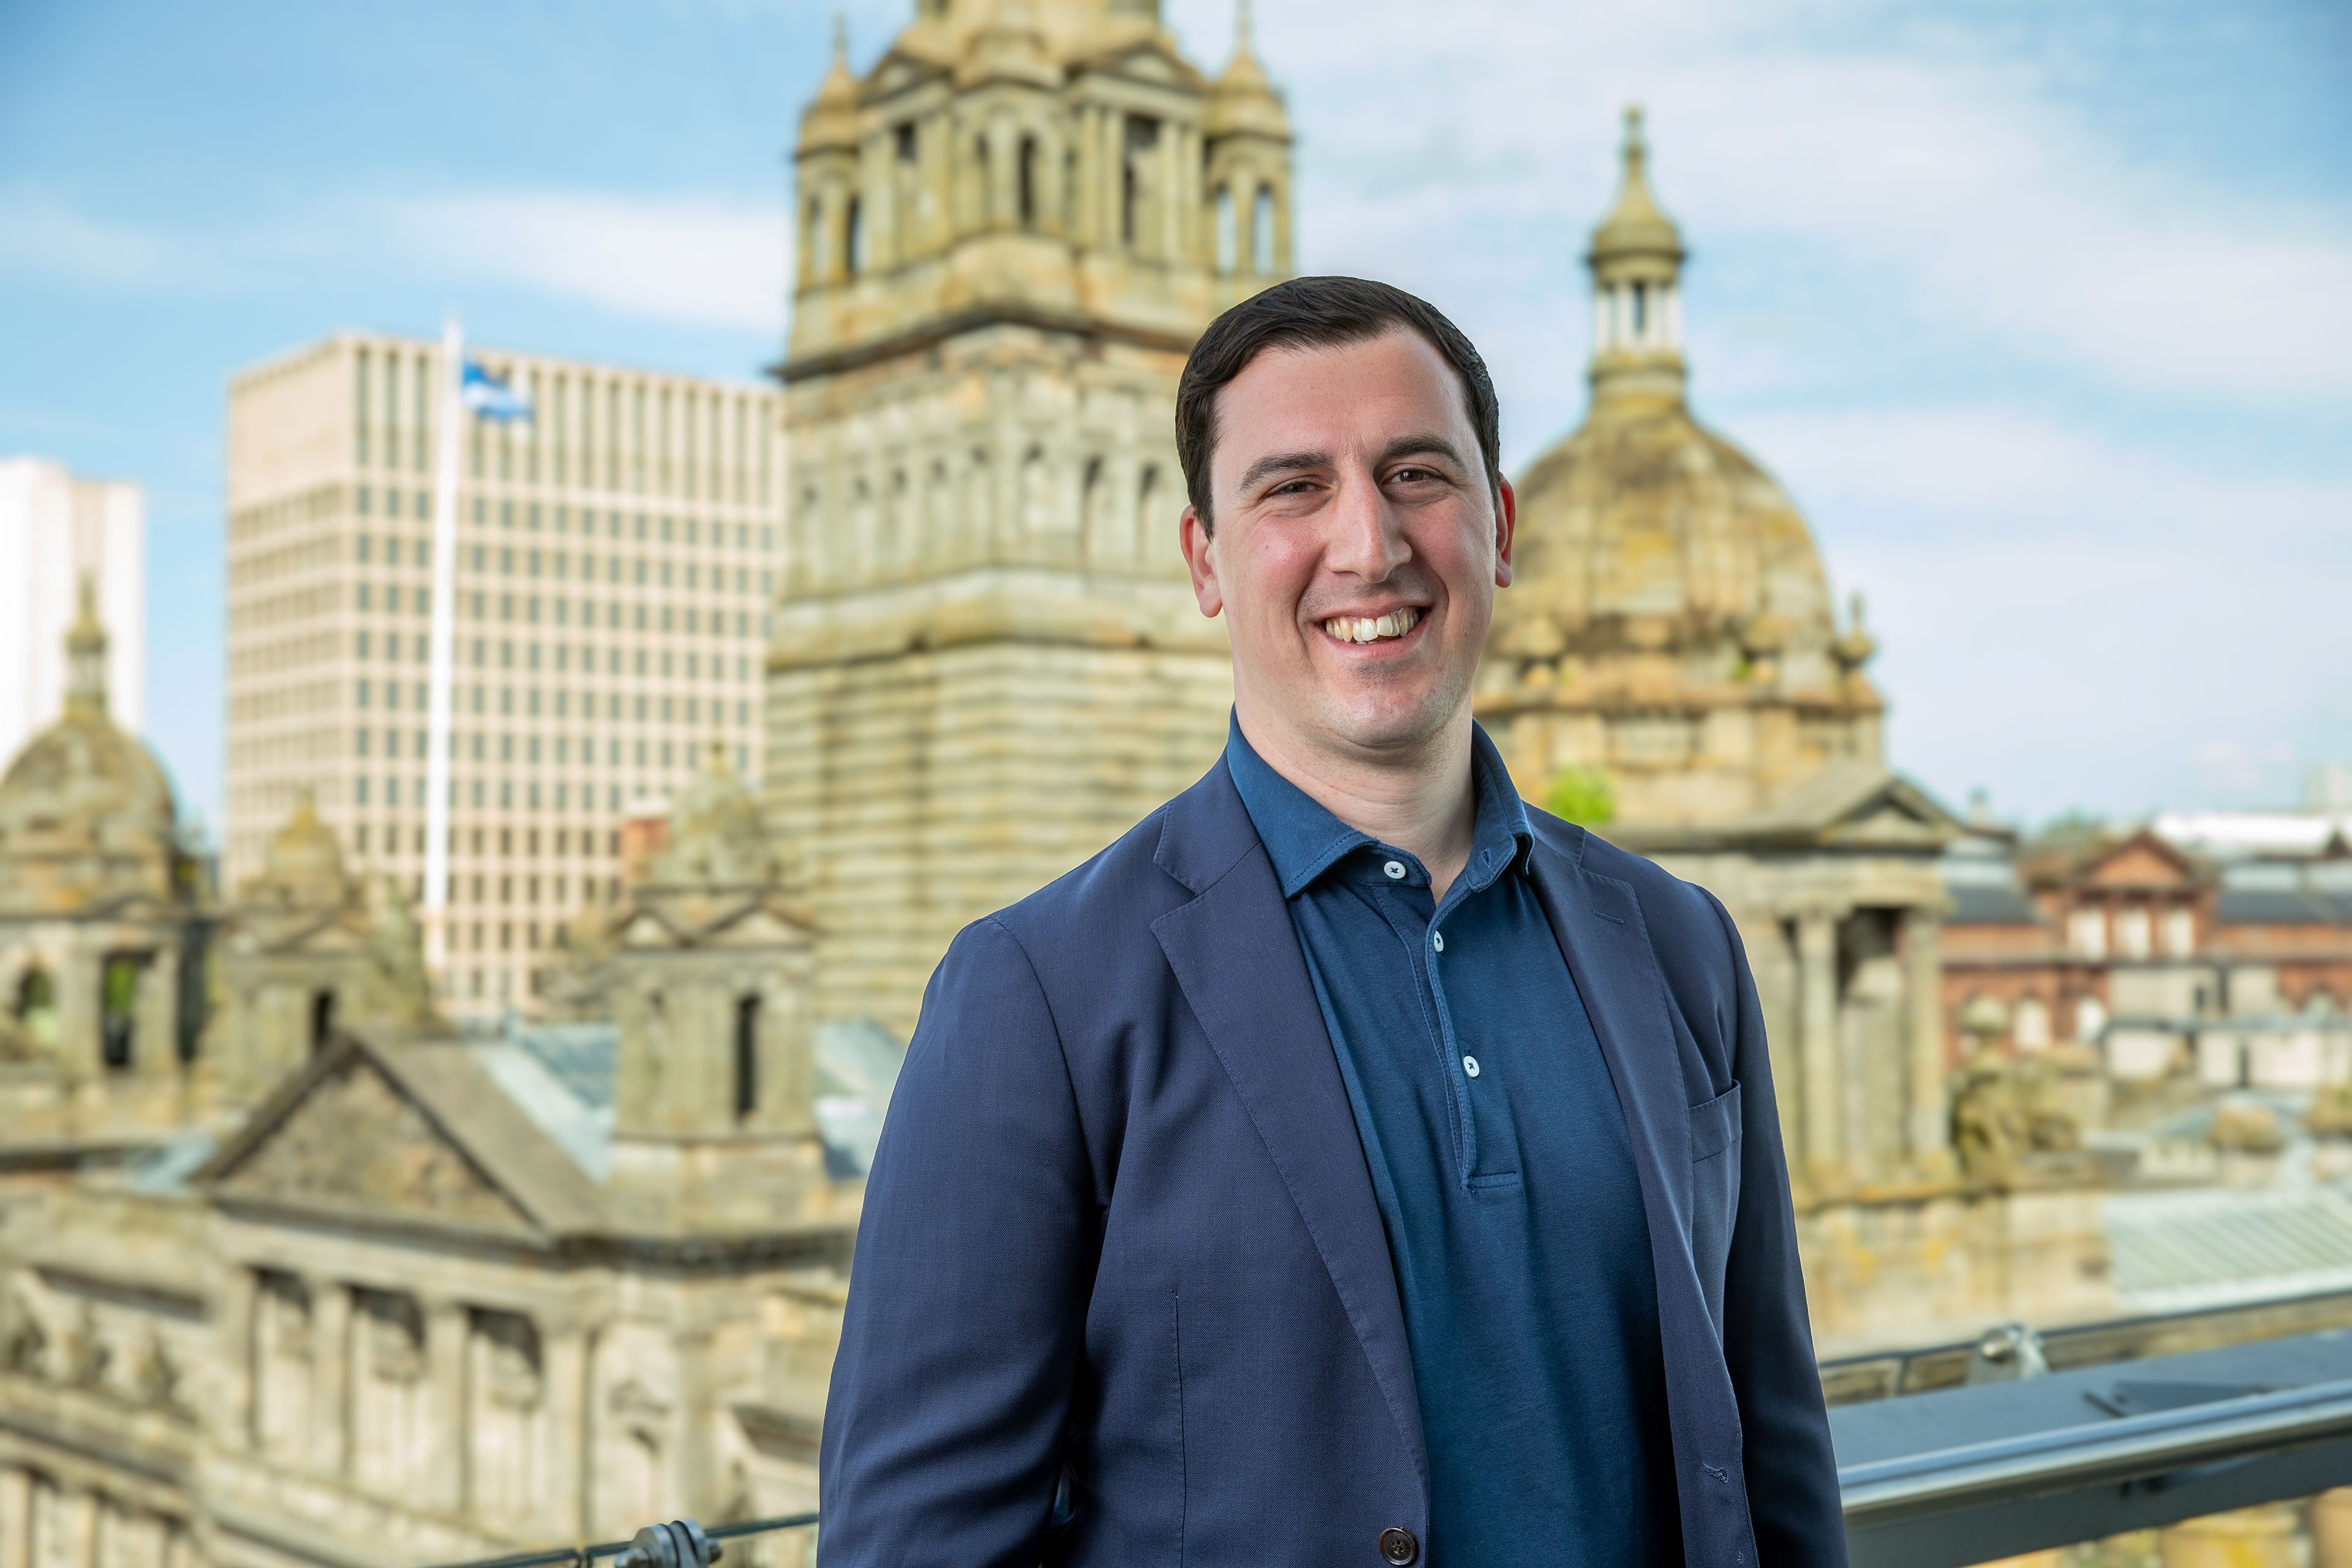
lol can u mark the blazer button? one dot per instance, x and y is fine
(1398, 1546)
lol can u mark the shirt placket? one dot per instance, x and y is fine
(1399, 905)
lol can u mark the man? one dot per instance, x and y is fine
(1351, 1164)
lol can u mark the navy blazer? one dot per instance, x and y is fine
(1122, 1293)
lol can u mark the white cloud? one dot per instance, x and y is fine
(1928, 167)
(2058, 614)
(43, 235)
(694, 260)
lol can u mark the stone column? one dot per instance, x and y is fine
(1114, 181)
(16, 1516)
(563, 1372)
(78, 1011)
(1931, 1127)
(1817, 1030)
(2331, 1529)
(694, 1478)
(154, 1038)
(331, 1386)
(241, 1353)
(448, 1483)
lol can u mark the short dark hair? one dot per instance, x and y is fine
(1319, 313)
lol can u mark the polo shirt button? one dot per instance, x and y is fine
(1395, 868)
(1398, 1546)
(1437, 940)
(1470, 1066)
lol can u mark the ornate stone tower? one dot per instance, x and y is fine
(1671, 622)
(986, 662)
(309, 949)
(101, 925)
(705, 967)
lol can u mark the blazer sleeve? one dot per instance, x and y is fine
(1792, 1486)
(969, 1289)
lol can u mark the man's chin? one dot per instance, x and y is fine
(1387, 722)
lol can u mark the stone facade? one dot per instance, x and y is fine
(102, 928)
(427, 1301)
(1667, 664)
(987, 663)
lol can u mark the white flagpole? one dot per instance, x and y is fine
(438, 787)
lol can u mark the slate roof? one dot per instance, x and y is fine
(2179, 1251)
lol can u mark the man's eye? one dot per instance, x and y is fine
(1292, 486)
(1414, 476)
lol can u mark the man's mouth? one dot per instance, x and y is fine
(1373, 628)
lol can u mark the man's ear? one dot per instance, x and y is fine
(1506, 529)
(1201, 559)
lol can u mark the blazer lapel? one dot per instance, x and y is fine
(1235, 955)
(1599, 924)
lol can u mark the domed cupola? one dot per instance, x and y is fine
(1670, 626)
(86, 813)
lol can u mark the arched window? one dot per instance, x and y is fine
(1028, 175)
(854, 238)
(1228, 241)
(747, 1056)
(1093, 506)
(1641, 311)
(2030, 1025)
(1261, 233)
(322, 1020)
(118, 1010)
(1127, 203)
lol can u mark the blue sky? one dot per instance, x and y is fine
(2043, 314)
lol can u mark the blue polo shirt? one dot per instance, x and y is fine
(1504, 1178)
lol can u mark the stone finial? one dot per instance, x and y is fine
(1635, 226)
(86, 653)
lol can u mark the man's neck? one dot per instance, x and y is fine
(1422, 799)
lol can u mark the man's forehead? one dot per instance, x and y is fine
(1340, 396)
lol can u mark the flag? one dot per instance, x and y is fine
(490, 396)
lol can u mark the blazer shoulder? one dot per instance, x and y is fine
(1681, 915)
(1118, 887)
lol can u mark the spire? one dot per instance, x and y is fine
(86, 655)
(831, 118)
(1637, 310)
(1245, 98)
(1635, 226)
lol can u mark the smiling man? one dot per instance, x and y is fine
(1351, 1164)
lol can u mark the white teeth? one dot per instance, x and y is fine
(1373, 628)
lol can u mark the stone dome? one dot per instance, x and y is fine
(85, 809)
(1669, 624)
(1649, 532)
(716, 837)
(303, 864)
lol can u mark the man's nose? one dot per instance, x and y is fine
(1368, 537)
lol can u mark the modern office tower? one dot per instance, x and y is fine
(615, 559)
(55, 529)
(988, 662)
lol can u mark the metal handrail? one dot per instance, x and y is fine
(2096, 1452)
(581, 1556)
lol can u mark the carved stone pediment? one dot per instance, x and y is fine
(356, 1140)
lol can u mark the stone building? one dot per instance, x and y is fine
(987, 663)
(102, 928)
(615, 559)
(2159, 963)
(1670, 646)
(307, 949)
(435, 1298)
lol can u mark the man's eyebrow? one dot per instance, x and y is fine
(1282, 463)
(1430, 445)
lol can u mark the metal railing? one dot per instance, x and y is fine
(1966, 1474)
(1970, 1474)
(680, 1543)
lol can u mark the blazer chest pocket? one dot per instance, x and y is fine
(1714, 1192)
